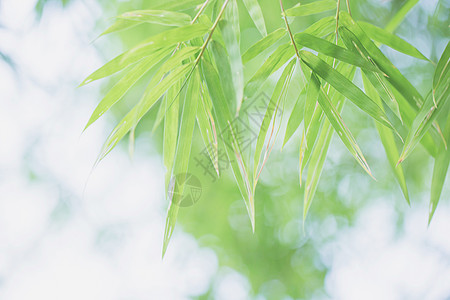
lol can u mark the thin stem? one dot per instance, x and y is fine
(202, 8)
(291, 36)
(348, 7)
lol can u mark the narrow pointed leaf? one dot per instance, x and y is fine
(296, 116)
(388, 141)
(275, 61)
(181, 162)
(124, 84)
(330, 49)
(119, 25)
(277, 96)
(335, 119)
(263, 44)
(150, 97)
(255, 12)
(311, 8)
(400, 15)
(442, 68)
(346, 87)
(162, 17)
(391, 40)
(440, 170)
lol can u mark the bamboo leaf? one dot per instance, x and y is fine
(391, 40)
(124, 84)
(330, 49)
(278, 95)
(183, 152)
(162, 17)
(234, 56)
(440, 170)
(120, 25)
(263, 44)
(400, 15)
(275, 61)
(346, 87)
(231, 146)
(425, 118)
(394, 76)
(335, 119)
(442, 68)
(296, 116)
(323, 27)
(388, 141)
(149, 98)
(311, 8)
(256, 14)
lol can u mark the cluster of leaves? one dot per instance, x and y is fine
(199, 80)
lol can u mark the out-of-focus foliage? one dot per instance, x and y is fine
(191, 54)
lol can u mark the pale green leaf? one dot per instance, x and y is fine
(162, 17)
(391, 40)
(296, 116)
(400, 15)
(311, 8)
(255, 12)
(263, 44)
(388, 141)
(346, 87)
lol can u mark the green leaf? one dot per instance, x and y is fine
(183, 152)
(278, 96)
(170, 128)
(323, 27)
(207, 128)
(425, 118)
(234, 56)
(391, 40)
(311, 8)
(296, 116)
(440, 170)
(151, 45)
(400, 15)
(231, 146)
(263, 44)
(335, 119)
(330, 49)
(124, 84)
(442, 68)
(346, 87)
(151, 96)
(119, 25)
(256, 14)
(317, 161)
(388, 141)
(394, 76)
(275, 61)
(162, 17)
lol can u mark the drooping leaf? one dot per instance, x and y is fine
(323, 27)
(388, 141)
(278, 95)
(183, 151)
(124, 84)
(120, 25)
(442, 68)
(335, 119)
(162, 17)
(255, 12)
(234, 56)
(410, 93)
(391, 40)
(430, 110)
(330, 49)
(149, 98)
(278, 58)
(230, 144)
(263, 44)
(346, 87)
(311, 8)
(400, 15)
(441, 165)
(296, 116)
